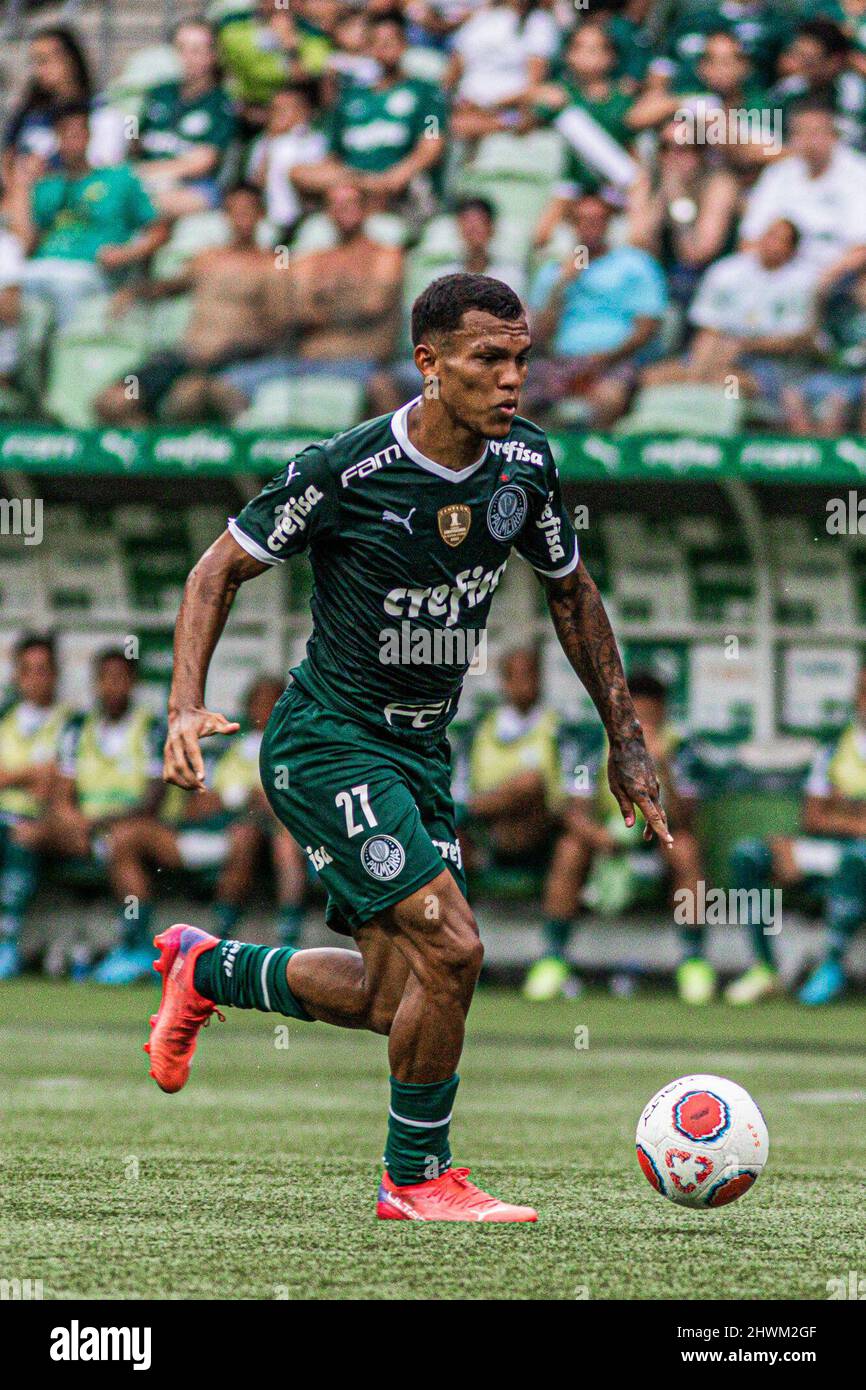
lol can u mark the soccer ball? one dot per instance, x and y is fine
(702, 1141)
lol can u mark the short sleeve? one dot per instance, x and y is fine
(547, 538)
(297, 507)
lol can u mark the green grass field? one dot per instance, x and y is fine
(258, 1181)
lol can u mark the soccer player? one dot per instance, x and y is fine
(409, 520)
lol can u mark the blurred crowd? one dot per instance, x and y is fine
(83, 804)
(703, 220)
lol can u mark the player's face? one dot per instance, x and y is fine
(480, 368)
(36, 677)
(114, 687)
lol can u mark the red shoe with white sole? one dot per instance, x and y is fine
(182, 1010)
(450, 1197)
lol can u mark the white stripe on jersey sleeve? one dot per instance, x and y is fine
(564, 569)
(250, 546)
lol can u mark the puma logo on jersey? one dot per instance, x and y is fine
(370, 465)
(401, 520)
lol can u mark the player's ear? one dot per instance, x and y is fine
(425, 359)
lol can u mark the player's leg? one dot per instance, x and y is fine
(566, 878)
(290, 872)
(845, 910)
(244, 840)
(18, 881)
(754, 863)
(695, 977)
(134, 848)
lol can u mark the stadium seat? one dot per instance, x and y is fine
(167, 323)
(11, 402)
(536, 157)
(33, 335)
(91, 352)
(683, 408)
(313, 402)
(317, 233)
(146, 68)
(190, 235)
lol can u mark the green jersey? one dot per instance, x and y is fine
(406, 556)
(79, 216)
(172, 126)
(373, 128)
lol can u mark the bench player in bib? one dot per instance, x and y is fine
(408, 521)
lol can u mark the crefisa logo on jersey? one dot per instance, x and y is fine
(382, 856)
(507, 512)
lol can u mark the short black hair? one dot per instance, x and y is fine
(71, 110)
(395, 17)
(477, 203)
(647, 684)
(811, 106)
(245, 186)
(30, 641)
(114, 654)
(440, 308)
(826, 32)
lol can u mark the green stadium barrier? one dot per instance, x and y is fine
(205, 451)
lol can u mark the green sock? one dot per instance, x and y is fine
(289, 921)
(17, 887)
(135, 931)
(248, 977)
(692, 942)
(227, 917)
(751, 869)
(418, 1125)
(555, 933)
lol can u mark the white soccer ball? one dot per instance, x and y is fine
(702, 1141)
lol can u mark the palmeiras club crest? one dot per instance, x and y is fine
(507, 512)
(382, 856)
(454, 523)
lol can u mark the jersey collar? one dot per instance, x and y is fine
(401, 434)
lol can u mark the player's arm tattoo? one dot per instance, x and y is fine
(586, 637)
(207, 599)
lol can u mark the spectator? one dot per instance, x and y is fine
(85, 225)
(821, 188)
(498, 56)
(265, 46)
(387, 138)
(826, 401)
(683, 211)
(723, 79)
(755, 317)
(475, 220)
(817, 67)
(187, 128)
(760, 26)
(594, 834)
(341, 303)
(58, 77)
(11, 274)
(30, 729)
(224, 828)
(594, 114)
(289, 139)
(233, 291)
(110, 772)
(595, 316)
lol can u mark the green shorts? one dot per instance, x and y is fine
(374, 814)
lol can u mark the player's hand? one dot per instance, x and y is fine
(632, 778)
(183, 763)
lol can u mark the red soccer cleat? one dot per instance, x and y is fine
(182, 1010)
(450, 1197)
